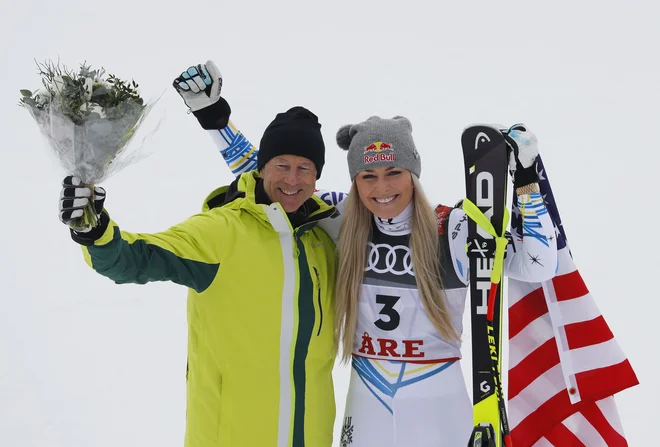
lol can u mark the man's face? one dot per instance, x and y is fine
(289, 180)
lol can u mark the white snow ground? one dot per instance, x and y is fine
(84, 362)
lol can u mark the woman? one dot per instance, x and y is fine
(400, 303)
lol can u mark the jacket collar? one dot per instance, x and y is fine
(240, 194)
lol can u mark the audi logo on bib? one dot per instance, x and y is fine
(385, 258)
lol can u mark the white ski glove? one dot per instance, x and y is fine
(524, 148)
(74, 197)
(199, 87)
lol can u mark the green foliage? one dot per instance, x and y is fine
(70, 92)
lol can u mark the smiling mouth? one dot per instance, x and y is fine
(289, 192)
(385, 200)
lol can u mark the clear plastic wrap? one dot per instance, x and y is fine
(89, 121)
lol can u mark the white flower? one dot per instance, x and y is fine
(93, 108)
(89, 83)
(42, 97)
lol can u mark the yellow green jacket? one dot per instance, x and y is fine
(260, 319)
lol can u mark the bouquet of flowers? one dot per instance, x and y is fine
(88, 120)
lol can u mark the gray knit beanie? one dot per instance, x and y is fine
(380, 142)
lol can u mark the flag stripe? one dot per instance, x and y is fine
(601, 383)
(543, 442)
(588, 333)
(522, 290)
(607, 406)
(569, 286)
(596, 418)
(529, 339)
(541, 421)
(525, 311)
(577, 309)
(531, 399)
(595, 357)
(584, 431)
(532, 366)
(560, 436)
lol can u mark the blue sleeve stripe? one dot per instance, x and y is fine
(223, 134)
(237, 149)
(530, 232)
(249, 165)
(230, 131)
(531, 205)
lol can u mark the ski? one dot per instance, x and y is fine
(486, 178)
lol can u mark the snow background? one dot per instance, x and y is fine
(84, 362)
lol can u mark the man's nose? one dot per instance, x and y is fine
(292, 177)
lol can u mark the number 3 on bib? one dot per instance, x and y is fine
(388, 302)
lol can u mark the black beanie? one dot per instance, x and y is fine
(294, 132)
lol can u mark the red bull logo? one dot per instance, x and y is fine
(378, 147)
(379, 151)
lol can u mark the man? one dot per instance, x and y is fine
(260, 349)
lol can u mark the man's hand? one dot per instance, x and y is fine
(75, 196)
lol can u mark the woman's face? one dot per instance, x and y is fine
(385, 191)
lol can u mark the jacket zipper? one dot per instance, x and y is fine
(318, 297)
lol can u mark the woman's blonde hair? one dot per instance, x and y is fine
(353, 239)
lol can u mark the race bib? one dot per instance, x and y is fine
(393, 325)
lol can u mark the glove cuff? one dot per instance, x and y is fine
(88, 239)
(525, 176)
(215, 116)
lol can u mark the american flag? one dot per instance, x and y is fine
(564, 363)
